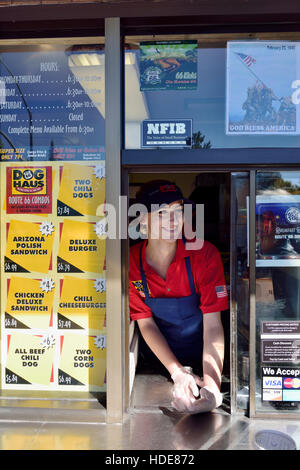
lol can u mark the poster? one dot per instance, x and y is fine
(29, 190)
(168, 65)
(81, 190)
(29, 246)
(281, 384)
(29, 359)
(82, 360)
(262, 88)
(82, 303)
(278, 230)
(81, 249)
(29, 303)
(280, 353)
(53, 105)
(167, 133)
(53, 279)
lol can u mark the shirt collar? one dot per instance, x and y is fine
(181, 252)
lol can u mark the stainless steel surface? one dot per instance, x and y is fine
(151, 424)
(150, 391)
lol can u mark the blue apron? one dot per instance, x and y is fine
(179, 318)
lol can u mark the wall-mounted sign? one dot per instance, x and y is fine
(167, 133)
(81, 189)
(81, 249)
(280, 344)
(29, 246)
(82, 360)
(280, 383)
(280, 341)
(53, 279)
(29, 303)
(27, 360)
(278, 230)
(29, 190)
(262, 87)
(52, 104)
(168, 65)
(82, 304)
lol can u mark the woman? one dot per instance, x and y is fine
(176, 296)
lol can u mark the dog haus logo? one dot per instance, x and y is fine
(29, 189)
(28, 180)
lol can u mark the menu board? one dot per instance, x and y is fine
(53, 282)
(52, 105)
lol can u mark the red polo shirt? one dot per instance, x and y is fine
(207, 272)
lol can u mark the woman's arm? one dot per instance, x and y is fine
(213, 356)
(213, 350)
(158, 344)
(185, 382)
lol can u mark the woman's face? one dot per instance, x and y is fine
(166, 223)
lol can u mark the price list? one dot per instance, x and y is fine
(52, 106)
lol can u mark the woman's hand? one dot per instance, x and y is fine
(208, 401)
(185, 390)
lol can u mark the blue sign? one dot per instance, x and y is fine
(278, 230)
(175, 133)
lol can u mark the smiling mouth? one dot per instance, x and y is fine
(171, 231)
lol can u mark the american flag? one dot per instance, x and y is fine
(221, 291)
(246, 59)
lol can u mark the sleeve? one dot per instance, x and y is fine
(138, 308)
(211, 283)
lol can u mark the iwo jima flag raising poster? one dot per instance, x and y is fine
(263, 90)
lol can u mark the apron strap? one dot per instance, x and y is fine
(143, 275)
(190, 274)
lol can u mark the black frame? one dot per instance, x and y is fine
(235, 157)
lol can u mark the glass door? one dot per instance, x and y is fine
(239, 292)
(277, 292)
(225, 197)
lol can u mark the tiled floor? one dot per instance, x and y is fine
(151, 424)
